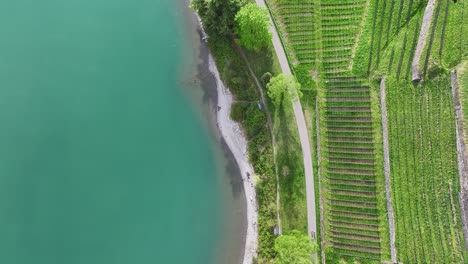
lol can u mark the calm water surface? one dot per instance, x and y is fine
(102, 156)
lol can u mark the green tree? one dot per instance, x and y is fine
(283, 87)
(252, 24)
(294, 248)
(218, 15)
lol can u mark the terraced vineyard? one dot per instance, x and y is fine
(355, 224)
(344, 47)
(351, 173)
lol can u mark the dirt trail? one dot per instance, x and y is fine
(386, 153)
(270, 125)
(461, 155)
(426, 24)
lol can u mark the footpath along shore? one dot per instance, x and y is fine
(237, 143)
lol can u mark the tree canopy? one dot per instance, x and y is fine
(283, 87)
(294, 248)
(218, 15)
(252, 23)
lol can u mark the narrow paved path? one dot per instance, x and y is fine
(461, 155)
(303, 134)
(386, 152)
(270, 125)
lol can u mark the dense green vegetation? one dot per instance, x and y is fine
(218, 15)
(291, 169)
(283, 88)
(294, 248)
(253, 27)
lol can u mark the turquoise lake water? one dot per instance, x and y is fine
(103, 158)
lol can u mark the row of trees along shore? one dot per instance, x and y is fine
(247, 24)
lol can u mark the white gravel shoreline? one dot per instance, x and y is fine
(237, 143)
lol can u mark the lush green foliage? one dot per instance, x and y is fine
(253, 27)
(294, 248)
(283, 88)
(218, 15)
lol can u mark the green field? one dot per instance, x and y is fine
(341, 48)
(424, 172)
(322, 42)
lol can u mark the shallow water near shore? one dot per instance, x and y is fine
(109, 146)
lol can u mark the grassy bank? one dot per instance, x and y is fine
(291, 171)
(308, 103)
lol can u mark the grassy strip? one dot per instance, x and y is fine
(462, 72)
(291, 170)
